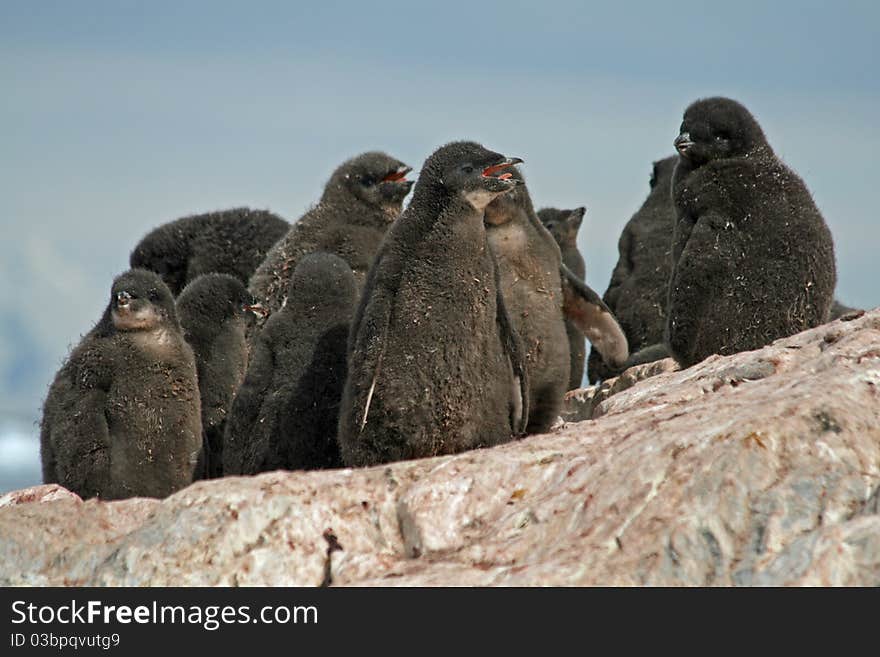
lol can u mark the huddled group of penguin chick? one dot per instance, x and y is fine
(365, 333)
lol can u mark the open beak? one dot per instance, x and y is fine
(123, 299)
(489, 172)
(683, 143)
(398, 175)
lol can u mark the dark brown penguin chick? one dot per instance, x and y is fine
(639, 287)
(286, 412)
(230, 242)
(564, 226)
(434, 365)
(537, 294)
(214, 310)
(360, 201)
(753, 257)
(122, 417)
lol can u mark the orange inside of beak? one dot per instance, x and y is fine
(489, 171)
(395, 176)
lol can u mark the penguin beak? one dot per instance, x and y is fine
(398, 175)
(256, 309)
(123, 299)
(683, 143)
(576, 218)
(489, 172)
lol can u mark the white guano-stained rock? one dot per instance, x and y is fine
(761, 468)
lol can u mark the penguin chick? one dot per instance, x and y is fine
(434, 364)
(563, 226)
(639, 286)
(286, 412)
(230, 242)
(213, 311)
(122, 417)
(753, 257)
(360, 201)
(529, 262)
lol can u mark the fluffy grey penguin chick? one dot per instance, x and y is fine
(753, 257)
(434, 365)
(230, 242)
(122, 417)
(286, 413)
(214, 310)
(563, 226)
(360, 201)
(537, 294)
(639, 287)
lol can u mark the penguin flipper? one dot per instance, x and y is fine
(380, 289)
(221, 366)
(649, 354)
(589, 313)
(697, 279)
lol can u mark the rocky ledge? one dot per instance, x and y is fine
(757, 469)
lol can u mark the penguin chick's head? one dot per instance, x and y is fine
(374, 178)
(563, 224)
(216, 298)
(513, 206)
(140, 301)
(467, 169)
(716, 128)
(322, 277)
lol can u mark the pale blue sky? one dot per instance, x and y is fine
(118, 116)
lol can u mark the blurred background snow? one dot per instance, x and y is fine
(120, 115)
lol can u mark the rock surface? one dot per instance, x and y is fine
(583, 403)
(761, 468)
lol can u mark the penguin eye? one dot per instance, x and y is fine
(367, 181)
(467, 169)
